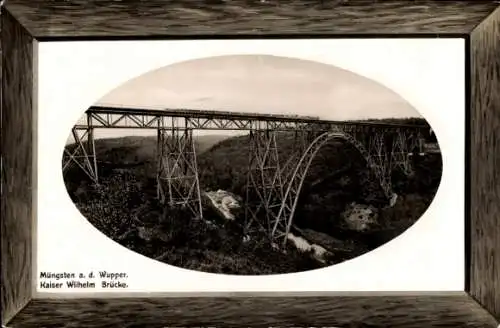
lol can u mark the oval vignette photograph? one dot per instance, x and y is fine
(252, 165)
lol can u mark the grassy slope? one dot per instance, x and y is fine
(127, 195)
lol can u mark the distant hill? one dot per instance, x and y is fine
(417, 121)
(139, 149)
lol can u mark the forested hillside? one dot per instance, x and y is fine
(125, 208)
(338, 176)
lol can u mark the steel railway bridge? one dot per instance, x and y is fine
(273, 185)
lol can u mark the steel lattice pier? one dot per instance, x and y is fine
(82, 151)
(177, 177)
(274, 178)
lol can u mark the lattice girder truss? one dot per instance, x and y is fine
(274, 183)
(269, 175)
(382, 150)
(264, 181)
(149, 121)
(177, 177)
(81, 152)
(283, 222)
(404, 146)
(386, 150)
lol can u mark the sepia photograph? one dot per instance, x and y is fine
(252, 165)
(271, 163)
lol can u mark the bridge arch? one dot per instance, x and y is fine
(285, 215)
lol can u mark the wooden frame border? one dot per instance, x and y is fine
(25, 23)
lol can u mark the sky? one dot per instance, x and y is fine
(259, 84)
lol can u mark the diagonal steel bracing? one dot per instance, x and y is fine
(382, 151)
(81, 152)
(274, 181)
(178, 181)
(404, 147)
(268, 176)
(265, 185)
(283, 223)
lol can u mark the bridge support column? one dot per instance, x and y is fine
(178, 181)
(265, 185)
(380, 163)
(268, 179)
(390, 150)
(405, 146)
(382, 150)
(82, 152)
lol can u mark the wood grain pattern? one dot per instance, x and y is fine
(485, 168)
(87, 19)
(343, 311)
(17, 168)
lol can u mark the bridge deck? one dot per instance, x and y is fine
(196, 113)
(212, 115)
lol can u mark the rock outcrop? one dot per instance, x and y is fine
(224, 202)
(360, 217)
